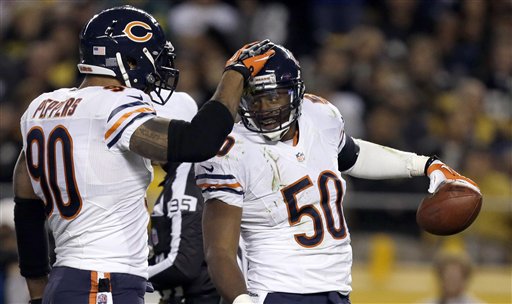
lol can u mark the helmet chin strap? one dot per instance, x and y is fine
(150, 58)
(279, 134)
(123, 70)
(276, 135)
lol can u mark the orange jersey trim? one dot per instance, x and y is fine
(94, 287)
(296, 137)
(123, 118)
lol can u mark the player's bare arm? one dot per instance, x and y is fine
(221, 233)
(229, 91)
(180, 141)
(21, 179)
(23, 191)
(150, 139)
(164, 140)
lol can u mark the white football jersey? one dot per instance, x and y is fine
(291, 193)
(77, 147)
(180, 106)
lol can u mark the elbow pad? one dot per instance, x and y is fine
(202, 138)
(32, 237)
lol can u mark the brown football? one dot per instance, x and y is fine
(450, 210)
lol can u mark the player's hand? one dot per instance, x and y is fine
(439, 173)
(251, 58)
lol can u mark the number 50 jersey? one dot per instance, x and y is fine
(76, 143)
(291, 194)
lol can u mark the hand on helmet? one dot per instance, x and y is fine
(251, 58)
(439, 173)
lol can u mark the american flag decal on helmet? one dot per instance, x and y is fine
(98, 50)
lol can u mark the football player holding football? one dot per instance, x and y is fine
(277, 181)
(85, 164)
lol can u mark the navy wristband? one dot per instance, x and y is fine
(429, 162)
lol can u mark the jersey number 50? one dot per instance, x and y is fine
(46, 173)
(295, 213)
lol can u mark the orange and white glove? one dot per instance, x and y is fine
(251, 58)
(439, 173)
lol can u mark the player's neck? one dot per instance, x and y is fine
(99, 80)
(294, 130)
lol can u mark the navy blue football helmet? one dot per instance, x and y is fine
(279, 82)
(127, 43)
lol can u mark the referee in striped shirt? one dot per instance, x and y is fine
(177, 268)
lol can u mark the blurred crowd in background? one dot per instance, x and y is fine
(429, 76)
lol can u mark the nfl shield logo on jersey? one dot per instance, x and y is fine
(300, 157)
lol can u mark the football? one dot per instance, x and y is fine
(450, 210)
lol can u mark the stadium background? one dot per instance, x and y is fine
(430, 76)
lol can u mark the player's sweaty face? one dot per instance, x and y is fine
(271, 108)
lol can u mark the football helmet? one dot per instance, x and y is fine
(127, 43)
(280, 87)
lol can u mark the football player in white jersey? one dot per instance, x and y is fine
(85, 164)
(277, 181)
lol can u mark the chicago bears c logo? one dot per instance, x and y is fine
(129, 28)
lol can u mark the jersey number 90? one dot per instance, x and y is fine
(45, 173)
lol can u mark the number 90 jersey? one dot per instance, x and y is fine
(76, 143)
(291, 193)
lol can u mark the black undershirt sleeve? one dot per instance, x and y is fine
(201, 138)
(31, 237)
(348, 155)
